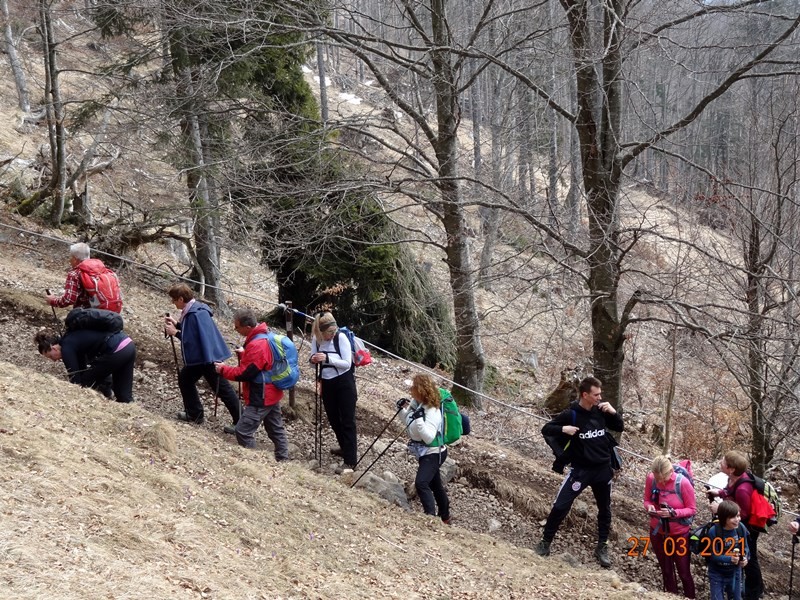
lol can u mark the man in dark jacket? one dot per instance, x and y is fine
(590, 452)
(201, 345)
(262, 400)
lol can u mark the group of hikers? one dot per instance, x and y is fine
(729, 543)
(103, 359)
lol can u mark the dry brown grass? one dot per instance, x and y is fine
(99, 501)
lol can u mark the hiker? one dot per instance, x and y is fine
(740, 487)
(671, 510)
(337, 385)
(201, 346)
(726, 559)
(591, 454)
(90, 357)
(423, 418)
(105, 292)
(262, 400)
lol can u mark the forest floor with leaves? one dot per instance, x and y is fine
(124, 501)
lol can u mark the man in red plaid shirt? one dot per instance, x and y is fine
(74, 294)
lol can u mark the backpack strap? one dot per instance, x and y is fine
(261, 377)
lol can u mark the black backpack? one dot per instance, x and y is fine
(559, 443)
(95, 319)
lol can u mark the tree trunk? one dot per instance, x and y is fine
(55, 116)
(23, 95)
(323, 82)
(470, 362)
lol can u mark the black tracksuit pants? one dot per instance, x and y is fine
(599, 479)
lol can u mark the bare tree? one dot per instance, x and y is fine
(20, 80)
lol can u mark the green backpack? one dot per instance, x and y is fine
(452, 425)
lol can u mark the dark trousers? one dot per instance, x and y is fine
(675, 556)
(753, 584)
(578, 479)
(118, 366)
(430, 488)
(187, 380)
(272, 418)
(339, 398)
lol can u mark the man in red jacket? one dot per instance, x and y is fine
(262, 400)
(106, 294)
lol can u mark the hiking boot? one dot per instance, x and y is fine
(229, 429)
(182, 416)
(446, 521)
(336, 451)
(543, 548)
(344, 467)
(601, 554)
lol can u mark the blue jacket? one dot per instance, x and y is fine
(201, 341)
(730, 540)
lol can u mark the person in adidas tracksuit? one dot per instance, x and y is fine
(423, 419)
(670, 507)
(262, 400)
(591, 452)
(337, 384)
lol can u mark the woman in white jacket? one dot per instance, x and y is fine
(423, 417)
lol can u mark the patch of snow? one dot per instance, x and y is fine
(349, 98)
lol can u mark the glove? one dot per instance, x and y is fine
(418, 414)
(402, 403)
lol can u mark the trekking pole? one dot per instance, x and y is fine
(241, 400)
(216, 395)
(378, 437)
(55, 316)
(174, 351)
(317, 417)
(795, 541)
(377, 458)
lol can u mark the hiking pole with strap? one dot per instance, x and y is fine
(378, 436)
(377, 458)
(55, 316)
(795, 541)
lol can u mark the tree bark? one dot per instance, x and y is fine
(23, 95)
(55, 116)
(470, 363)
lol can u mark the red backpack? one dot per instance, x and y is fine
(101, 284)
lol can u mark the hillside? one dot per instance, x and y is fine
(110, 501)
(126, 489)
